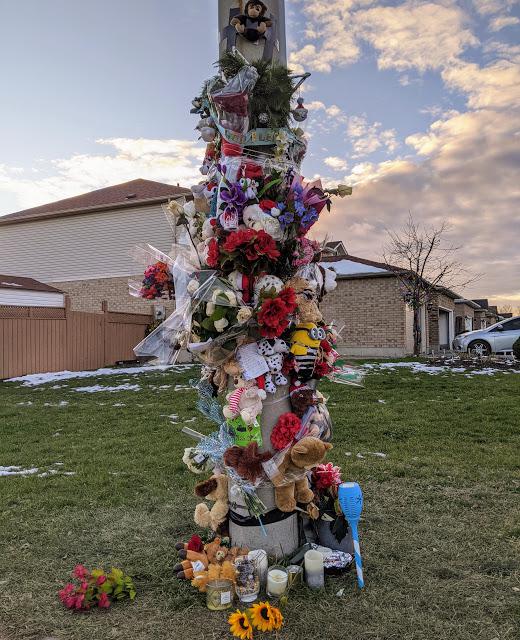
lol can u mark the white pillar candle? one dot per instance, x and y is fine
(259, 557)
(314, 572)
(276, 582)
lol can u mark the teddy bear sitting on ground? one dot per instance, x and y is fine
(216, 489)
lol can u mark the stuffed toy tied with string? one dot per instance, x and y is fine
(252, 23)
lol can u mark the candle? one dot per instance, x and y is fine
(276, 581)
(314, 572)
(259, 557)
(219, 595)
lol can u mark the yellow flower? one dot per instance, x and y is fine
(240, 626)
(265, 617)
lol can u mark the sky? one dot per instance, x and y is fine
(414, 103)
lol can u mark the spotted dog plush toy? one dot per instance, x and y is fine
(273, 351)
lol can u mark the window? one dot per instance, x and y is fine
(512, 325)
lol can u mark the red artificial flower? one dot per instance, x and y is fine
(237, 238)
(285, 429)
(230, 149)
(213, 253)
(251, 253)
(252, 170)
(288, 297)
(267, 205)
(265, 245)
(272, 318)
(326, 346)
(104, 601)
(80, 572)
(101, 580)
(326, 475)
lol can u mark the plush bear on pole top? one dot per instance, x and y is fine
(248, 283)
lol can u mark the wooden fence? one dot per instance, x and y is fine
(40, 339)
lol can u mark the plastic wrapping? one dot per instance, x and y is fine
(232, 101)
(157, 281)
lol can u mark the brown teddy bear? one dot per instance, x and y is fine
(303, 456)
(216, 489)
(308, 310)
(247, 461)
(224, 571)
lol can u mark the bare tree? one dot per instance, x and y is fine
(425, 264)
(506, 308)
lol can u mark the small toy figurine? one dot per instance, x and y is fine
(305, 341)
(252, 24)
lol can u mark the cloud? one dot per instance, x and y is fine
(500, 22)
(170, 161)
(496, 85)
(338, 164)
(466, 173)
(367, 138)
(489, 7)
(420, 36)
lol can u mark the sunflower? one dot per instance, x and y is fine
(265, 617)
(240, 626)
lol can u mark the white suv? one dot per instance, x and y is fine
(498, 337)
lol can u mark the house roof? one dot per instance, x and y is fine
(354, 267)
(17, 283)
(127, 194)
(470, 303)
(335, 248)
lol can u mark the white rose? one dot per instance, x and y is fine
(243, 315)
(210, 308)
(221, 324)
(193, 285)
(232, 298)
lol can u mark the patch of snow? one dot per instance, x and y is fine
(98, 387)
(35, 379)
(24, 404)
(377, 454)
(421, 367)
(348, 267)
(119, 404)
(61, 403)
(17, 471)
(382, 401)
(11, 284)
(360, 455)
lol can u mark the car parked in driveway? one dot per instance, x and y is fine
(496, 338)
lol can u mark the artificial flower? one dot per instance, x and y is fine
(288, 296)
(265, 245)
(321, 369)
(267, 205)
(244, 314)
(272, 318)
(213, 253)
(104, 601)
(80, 572)
(240, 626)
(210, 308)
(221, 324)
(238, 238)
(326, 475)
(285, 429)
(265, 617)
(252, 170)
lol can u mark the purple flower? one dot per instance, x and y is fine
(233, 194)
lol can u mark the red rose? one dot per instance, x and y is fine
(213, 253)
(286, 428)
(250, 253)
(266, 246)
(288, 297)
(321, 369)
(252, 170)
(267, 205)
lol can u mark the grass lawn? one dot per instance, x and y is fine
(440, 529)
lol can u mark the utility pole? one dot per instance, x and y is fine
(272, 47)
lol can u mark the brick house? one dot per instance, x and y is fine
(81, 245)
(377, 322)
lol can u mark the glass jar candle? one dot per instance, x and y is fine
(259, 557)
(219, 595)
(277, 578)
(247, 584)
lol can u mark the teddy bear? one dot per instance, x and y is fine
(273, 351)
(244, 401)
(302, 397)
(301, 457)
(308, 310)
(224, 571)
(255, 218)
(216, 489)
(247, 461)
(252, 24)
(221, 375)
(266, 283)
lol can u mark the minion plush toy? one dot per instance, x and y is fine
(305, 342)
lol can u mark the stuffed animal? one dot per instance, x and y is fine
(266, 283)
(216, 489)
(221, 375)
(302, 456)
(273, 351)
(244, 401)
(224, 571)
(308, 310)
(252, 24)
(255, 218)
(305, 342)
(302, 397)
(247, 461)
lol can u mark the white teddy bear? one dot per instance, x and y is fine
(266, 283)
(255, 218)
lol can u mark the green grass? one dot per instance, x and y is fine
(440, 530)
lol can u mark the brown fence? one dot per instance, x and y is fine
(39, 339)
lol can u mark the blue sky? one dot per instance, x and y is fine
(413, 102)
